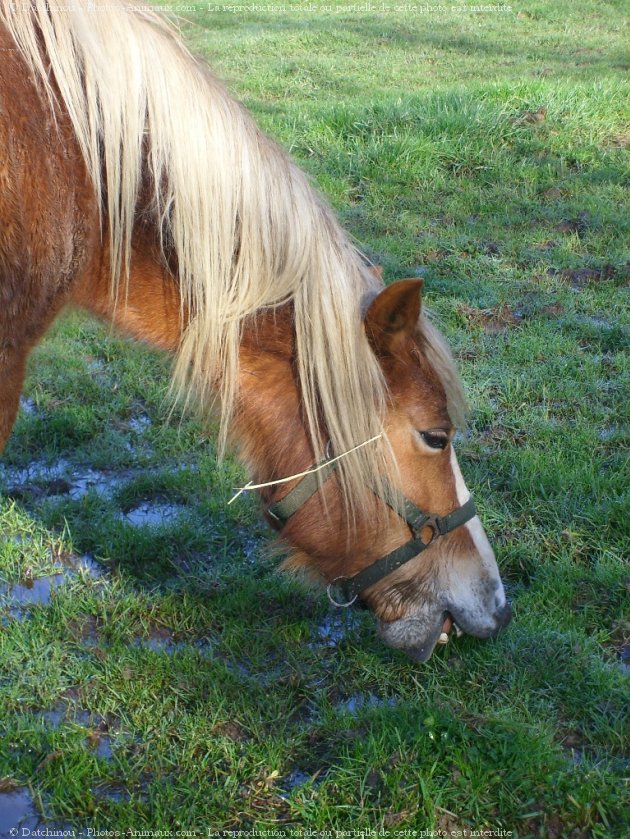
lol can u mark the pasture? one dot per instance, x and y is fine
(156, 672)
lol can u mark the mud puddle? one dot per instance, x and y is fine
(37, 591)
(153, 515)
(170, 647)
(162, 639)
(17, 811)
(84, 564)
(140, 424)
(98, 730)
(66, 712)
(359, 702)
(334, 628)
(113, 792)
(296, 779)
(27, 406)
(61, 478)
(100, 745)
(19, 816)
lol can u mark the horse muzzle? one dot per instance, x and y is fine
(417, 635)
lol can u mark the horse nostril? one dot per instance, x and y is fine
(504, 615)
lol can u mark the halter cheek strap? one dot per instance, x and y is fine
(345, 591)
(281, 511)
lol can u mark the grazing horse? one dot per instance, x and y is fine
(134, 186)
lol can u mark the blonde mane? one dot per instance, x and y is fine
(247, 228)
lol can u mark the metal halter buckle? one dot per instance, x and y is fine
(329, 592)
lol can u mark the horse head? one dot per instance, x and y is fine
(419, 559)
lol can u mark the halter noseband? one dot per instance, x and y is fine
(349, 588)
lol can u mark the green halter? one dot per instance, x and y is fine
(345, 591)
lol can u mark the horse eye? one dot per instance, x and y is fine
(435, 439)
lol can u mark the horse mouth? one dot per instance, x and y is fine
(418, 633)
(418, 642)
(424, 651)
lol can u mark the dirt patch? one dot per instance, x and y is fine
(232, 730)
(553, 310)
(573, 742)
(448, 823)
(532, 117)
(493, 320)
(162, 639)
(619, 141)
(157, 638)
(551, 826)
(495, 435)
(578, 278)
(86, 629)
(579, 224)
(554, 193)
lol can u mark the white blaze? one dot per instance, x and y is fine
(488, 562)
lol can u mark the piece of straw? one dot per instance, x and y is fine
(250, 485)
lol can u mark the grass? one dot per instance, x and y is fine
(188, 686)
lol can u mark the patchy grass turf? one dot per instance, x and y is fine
(171, 679)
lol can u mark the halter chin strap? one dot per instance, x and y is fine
(345, 591)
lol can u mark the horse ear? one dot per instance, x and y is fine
(392, 316)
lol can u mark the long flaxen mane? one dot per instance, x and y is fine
(247, 228)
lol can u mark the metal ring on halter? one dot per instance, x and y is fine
(339, 605)
(435, 530)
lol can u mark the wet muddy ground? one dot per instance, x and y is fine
(64, 480)
(20, 816)
(306, 668)
(17, 811)
(37, 591)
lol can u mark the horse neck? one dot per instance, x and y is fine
(147, 305)
(268, 428)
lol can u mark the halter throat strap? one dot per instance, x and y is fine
(425, 529)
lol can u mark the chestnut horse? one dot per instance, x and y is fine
(134, 186)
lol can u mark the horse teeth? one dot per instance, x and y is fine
(458, 631)
(443, 639)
